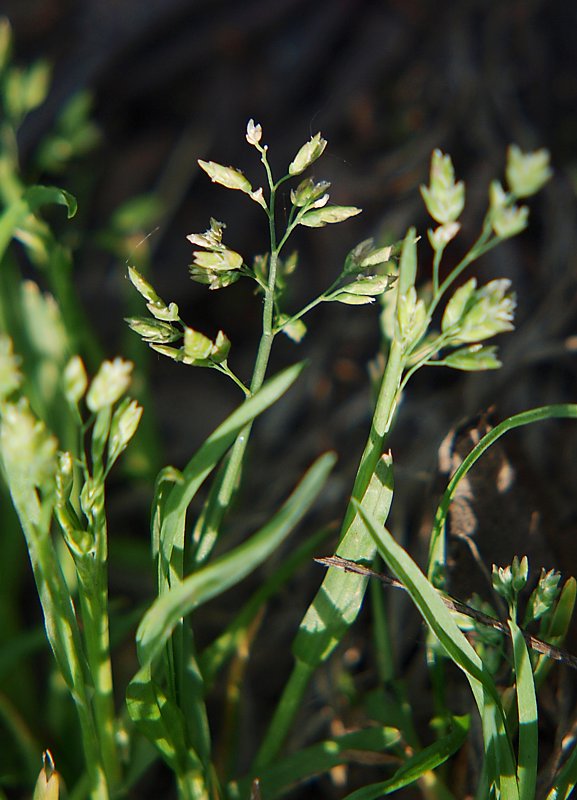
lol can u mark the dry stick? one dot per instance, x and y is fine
(548, 650)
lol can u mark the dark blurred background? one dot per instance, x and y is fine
(385, 81)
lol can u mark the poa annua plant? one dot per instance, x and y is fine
(59, 493)
(472, 315)
(41, 483)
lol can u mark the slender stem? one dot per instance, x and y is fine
(289, 704)
(267, 330)
(324, 297)
(282, 180)
(93, 594)
(438, 344)
(349, 542)
(387, 401)
(436, 265)
(72, 652)
(61, 626)
(96, 637)
(225, 369)
(234, 465)
(291, 226)
(481, 246)
(302, 312)
(286, 235)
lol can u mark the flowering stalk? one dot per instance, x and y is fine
(218, 266)
(114, 424)
(29, 459)
(471, 316)
(234, 465)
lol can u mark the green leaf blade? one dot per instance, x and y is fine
(416, 766)
(161, 619)
(173, 511)
(501, 766)
(527, 710)
(37, 196)
(291, 770)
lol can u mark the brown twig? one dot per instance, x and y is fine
(536, 644)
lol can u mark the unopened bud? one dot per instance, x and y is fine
(220, 348)
(379, 256)
(197, 346)
(10, 375)
(124, 424)
(508, 222)
(506, 219)
(411, 317)
(64, 476)
(258, 197)
(441, 236)
(171, 352)
(408, 262)
(443, 197)
(371, 285)
(474, 358)
(308, 154)
(212, 238)
(477, 314)
(217, 260)
(320, 217)
(153, 330)
(142, 286)
(295, 330)
(543, 596)
(75, 380)
(350, 299)
(111, 381)
(308, 192)
(456, 306)
(527, 172)
(228, 177)
(253, 133)
(48, 783)
(163, 312)
(28, 449)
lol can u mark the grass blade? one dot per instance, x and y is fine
(566, 779)
(30, 201)
(174, 508)
(148, 707)
(558, 411)
(158, 623)
(527, 711)
(556, 628)
(158, 719)
(288, 772)
(338, 600)
(415, 767)
(501, 766)
(218, 652)
(429, 603)
(332, 611)
(60, 620)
